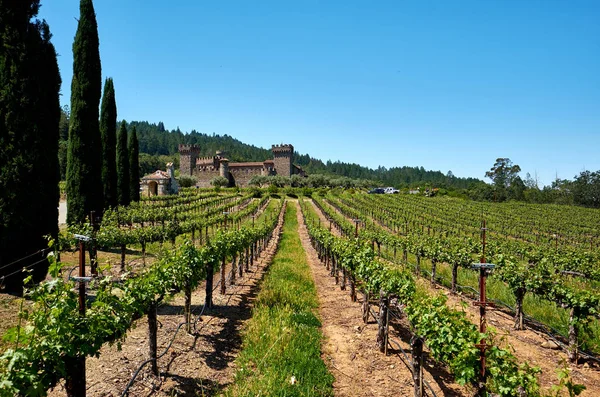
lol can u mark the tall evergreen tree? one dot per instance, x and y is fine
(29, 118)
(122, 166)
(108, 130)
(84, 160)
(134, 166)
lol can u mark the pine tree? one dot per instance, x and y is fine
(134, 166)
(84, 158)
(108, 130)
(122, 166)
(29, 118)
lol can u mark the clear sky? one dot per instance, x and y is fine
(447, 85)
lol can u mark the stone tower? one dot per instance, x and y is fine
(282, 159)
(224, 168)
(187, 159)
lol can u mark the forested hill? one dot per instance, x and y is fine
(154, 139)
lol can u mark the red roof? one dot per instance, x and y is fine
(252, 164)
(157, 175)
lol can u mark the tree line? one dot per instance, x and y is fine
(159, 146)
(29, 116)
(507, 184)
(40, 143)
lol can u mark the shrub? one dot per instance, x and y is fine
(187, 181)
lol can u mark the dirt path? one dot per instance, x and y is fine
(526, 344)
(324, 221)
(349, 346)
(197, 364)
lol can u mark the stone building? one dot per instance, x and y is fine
(204, 169)
(160, 183)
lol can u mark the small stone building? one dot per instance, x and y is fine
(160, 183)
(238, 174)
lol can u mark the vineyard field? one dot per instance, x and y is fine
(186, 285)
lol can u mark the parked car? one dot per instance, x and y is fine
(377, 190)
(391, 190)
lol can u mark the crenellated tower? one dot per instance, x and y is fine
(187, 159)
(282, 159)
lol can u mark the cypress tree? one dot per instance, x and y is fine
(29, 117)
(134, 166)
(108, 131)
(122, 166)
(84, 159)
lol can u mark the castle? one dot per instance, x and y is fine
(204, 169)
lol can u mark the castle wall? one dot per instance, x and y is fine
(204, 177)
(239, 174)
(243, 174)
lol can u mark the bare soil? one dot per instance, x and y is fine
(526, 345)
(349, 346)
(198, 364)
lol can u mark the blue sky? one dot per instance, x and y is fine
(447, 85)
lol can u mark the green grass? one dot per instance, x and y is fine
(282, 340)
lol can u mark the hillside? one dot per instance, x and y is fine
(155, 140)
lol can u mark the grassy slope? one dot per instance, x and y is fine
(283, 339)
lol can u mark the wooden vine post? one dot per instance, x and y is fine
(366, 307)
(75, 383)
(573, 351)
(188, 307)
(222, 272)
(352, 276)
(382, 321)
(416, 345)
(484, 268)
(233, 270)
(210, 271)
(152, 337)
(222, 278)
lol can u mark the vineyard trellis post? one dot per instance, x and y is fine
(209, 285)
(416, 344)
(356, 222)
(382, 321)
(152, 336)
(75, 384)
(484, 268)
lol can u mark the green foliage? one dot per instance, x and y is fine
(56, 331)
(565, 381)
(187, 181)
(29, 133)
(123, 178)
(219, 181)
(84, 157)
(448, 333)
(108, 131)
(134, 167)
(586, 189)
(156, 140)
(150, 163)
